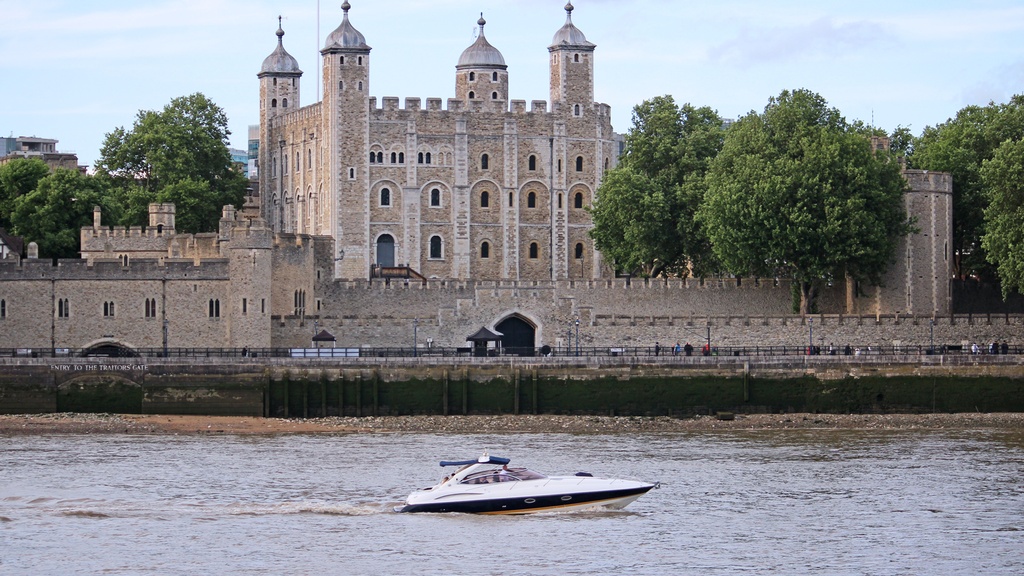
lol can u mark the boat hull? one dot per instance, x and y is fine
(613, 499)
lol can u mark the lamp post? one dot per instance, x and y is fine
(810, 333)
(165, 337)
(568, 346)
(577, 335)
(316, 330)
(931, 336)
(415, 329)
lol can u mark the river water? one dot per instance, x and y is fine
(764, 502)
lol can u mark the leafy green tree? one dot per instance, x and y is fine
(960, 146)
(17, 178)
(643, 215)
(53, 214)
(1003, 178)
(797, 192)
(173, 152)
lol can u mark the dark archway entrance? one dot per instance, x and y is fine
(386, 251)
(518, 336)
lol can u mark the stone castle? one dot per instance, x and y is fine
(398, 226)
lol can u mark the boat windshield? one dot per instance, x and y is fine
(501, 475)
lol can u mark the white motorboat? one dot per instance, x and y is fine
(488, 485)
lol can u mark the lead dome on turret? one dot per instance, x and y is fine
(280, 61)
(481, 54)
(345, 36)
(569, 34)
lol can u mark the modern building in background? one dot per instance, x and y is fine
(44, 149)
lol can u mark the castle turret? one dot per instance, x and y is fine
(279, 92)
(572, 67)
(346, 133)
(481, 72)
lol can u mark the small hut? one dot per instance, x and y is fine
(323, 336)
(481, 341)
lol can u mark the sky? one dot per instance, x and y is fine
(74, 71)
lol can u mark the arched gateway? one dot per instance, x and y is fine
(518, 335)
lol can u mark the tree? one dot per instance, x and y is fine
(53, 214)
(1003, 241)
(797, 192)
(960, 146)
(643, 214)
(168, 154)
(17, 178)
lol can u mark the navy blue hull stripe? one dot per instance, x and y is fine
(507, 505)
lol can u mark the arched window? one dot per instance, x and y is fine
(62, 308)
(380, 157)
(435, 247)
(485, 250)
(494, 76)
(394, 157)
(472, 78)
(484, 199)
(531, 200)
(341, 85)
(419, 158)
(214, 308)
(559, 199)
(360, 86)
(472, 95)
(275, 81)
(351, 173)
(511, 198)
(385, 197)
(341, 60)
(360, 61)
(435, 197)
(108, 309)
(284, 103)
(576, 110)
(575, 57)
(484, 162)
(579, 163)
(494, 95)
(159, 229)
(273, 103)
(532, 162)
(3, 308)
(428, 157)
(577, 201)
(401, 157)
(534, 251)
(579, 251)
(373, 158)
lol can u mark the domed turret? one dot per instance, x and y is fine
(481, 54)
(346, 37)
(570, 35)
(280, 62)
(481, 71)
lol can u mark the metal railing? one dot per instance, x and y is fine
(543, 351)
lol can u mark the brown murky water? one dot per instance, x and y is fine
(769, 502)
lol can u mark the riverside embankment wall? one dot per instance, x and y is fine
(680, 386)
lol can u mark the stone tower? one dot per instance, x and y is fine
(345, 137)
(575, 116)
(279, 92)
(481, 72)
(572, 67)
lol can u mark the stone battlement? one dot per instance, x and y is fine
(114, 269)
(455, 105)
